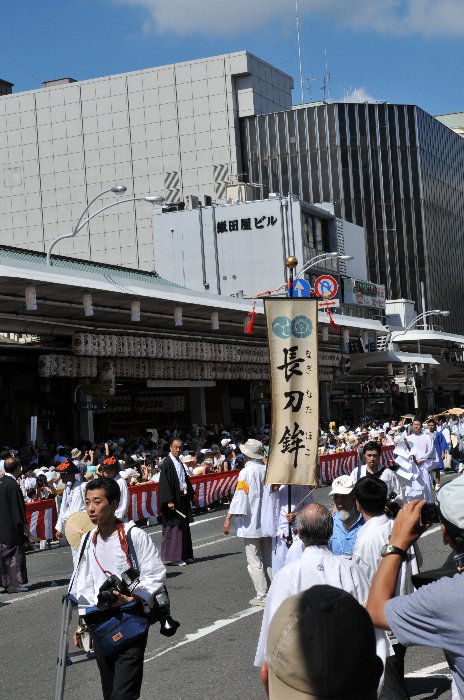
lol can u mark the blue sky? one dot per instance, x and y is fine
(396, 50)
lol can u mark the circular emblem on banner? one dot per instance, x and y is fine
(282, 327)
(302, 327)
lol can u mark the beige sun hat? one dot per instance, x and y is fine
(76, 526)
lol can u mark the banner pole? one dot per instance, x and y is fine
(291, 262)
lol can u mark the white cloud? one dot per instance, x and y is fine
(359, 95)
(398, 17)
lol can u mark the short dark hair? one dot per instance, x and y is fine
(315, 525)
(371, 445)
(371, 494)
(11, 464)
(173, 439)
(109, 486)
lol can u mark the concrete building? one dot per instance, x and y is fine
(392, 169)
(171, 131)
(239, 249)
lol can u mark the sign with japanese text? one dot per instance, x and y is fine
(292, 340)
(248, 223)
(362, 293)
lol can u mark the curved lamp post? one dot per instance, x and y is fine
(419, 317)
(320, 258)
(116, 189)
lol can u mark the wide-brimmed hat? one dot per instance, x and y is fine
(76, 525)
(306, 648)
(253, 449)
(76, 453)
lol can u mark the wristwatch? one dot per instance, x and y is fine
(391, 549)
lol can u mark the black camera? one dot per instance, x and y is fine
(161, 612)
(430, 513)
(125, 585)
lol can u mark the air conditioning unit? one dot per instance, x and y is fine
(191, 202)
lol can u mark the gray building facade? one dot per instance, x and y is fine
(393, 169)
(171, 131)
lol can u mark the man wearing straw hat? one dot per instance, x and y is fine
(252, 508)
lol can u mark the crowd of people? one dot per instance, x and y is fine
(292, 543)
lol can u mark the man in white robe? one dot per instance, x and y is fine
(283, 519)
(372, 467)
(72, 500)
(421, 457)
(251, 507)
(373, 537)
(317, 566)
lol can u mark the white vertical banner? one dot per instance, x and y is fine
(292, 340)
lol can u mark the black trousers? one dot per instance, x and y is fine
(121, 675)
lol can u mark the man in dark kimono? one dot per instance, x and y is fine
(13, 529)
(175, 494)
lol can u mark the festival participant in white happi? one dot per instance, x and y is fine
(251, 506)
(283, 519)
(421, 448)
(317, 566)
(373, 537)
(372, 467)
(110, 467)
(72, 500)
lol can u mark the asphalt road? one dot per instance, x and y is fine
(213, 651)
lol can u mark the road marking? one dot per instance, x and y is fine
(221, 539)
(428, 671)
(7, 600)
(207, 520)
(205, 631)
(431, 531)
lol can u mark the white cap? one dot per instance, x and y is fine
(225, 442)
(342, 485)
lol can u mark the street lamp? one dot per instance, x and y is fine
(116, 189)
(422, 316)
(320, 258)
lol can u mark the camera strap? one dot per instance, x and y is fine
(127, 547)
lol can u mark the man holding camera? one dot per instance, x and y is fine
(431, 615)
(105, 579)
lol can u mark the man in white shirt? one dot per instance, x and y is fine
(317, 566)
(252, 508)
(371, 452)
(101, 553)
(110, 468)
(72, 500)
(373, 537)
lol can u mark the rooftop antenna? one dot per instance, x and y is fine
(309, 80)
(297, 11)
(326, 79)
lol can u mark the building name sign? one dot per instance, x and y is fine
(253, 223)
(363, 293)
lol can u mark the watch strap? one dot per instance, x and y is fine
(391, 549)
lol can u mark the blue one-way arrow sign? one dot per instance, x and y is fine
(301, 288)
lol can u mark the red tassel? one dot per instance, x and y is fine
(331, 321)
(251, 322)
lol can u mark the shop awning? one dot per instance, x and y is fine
(379, 360)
